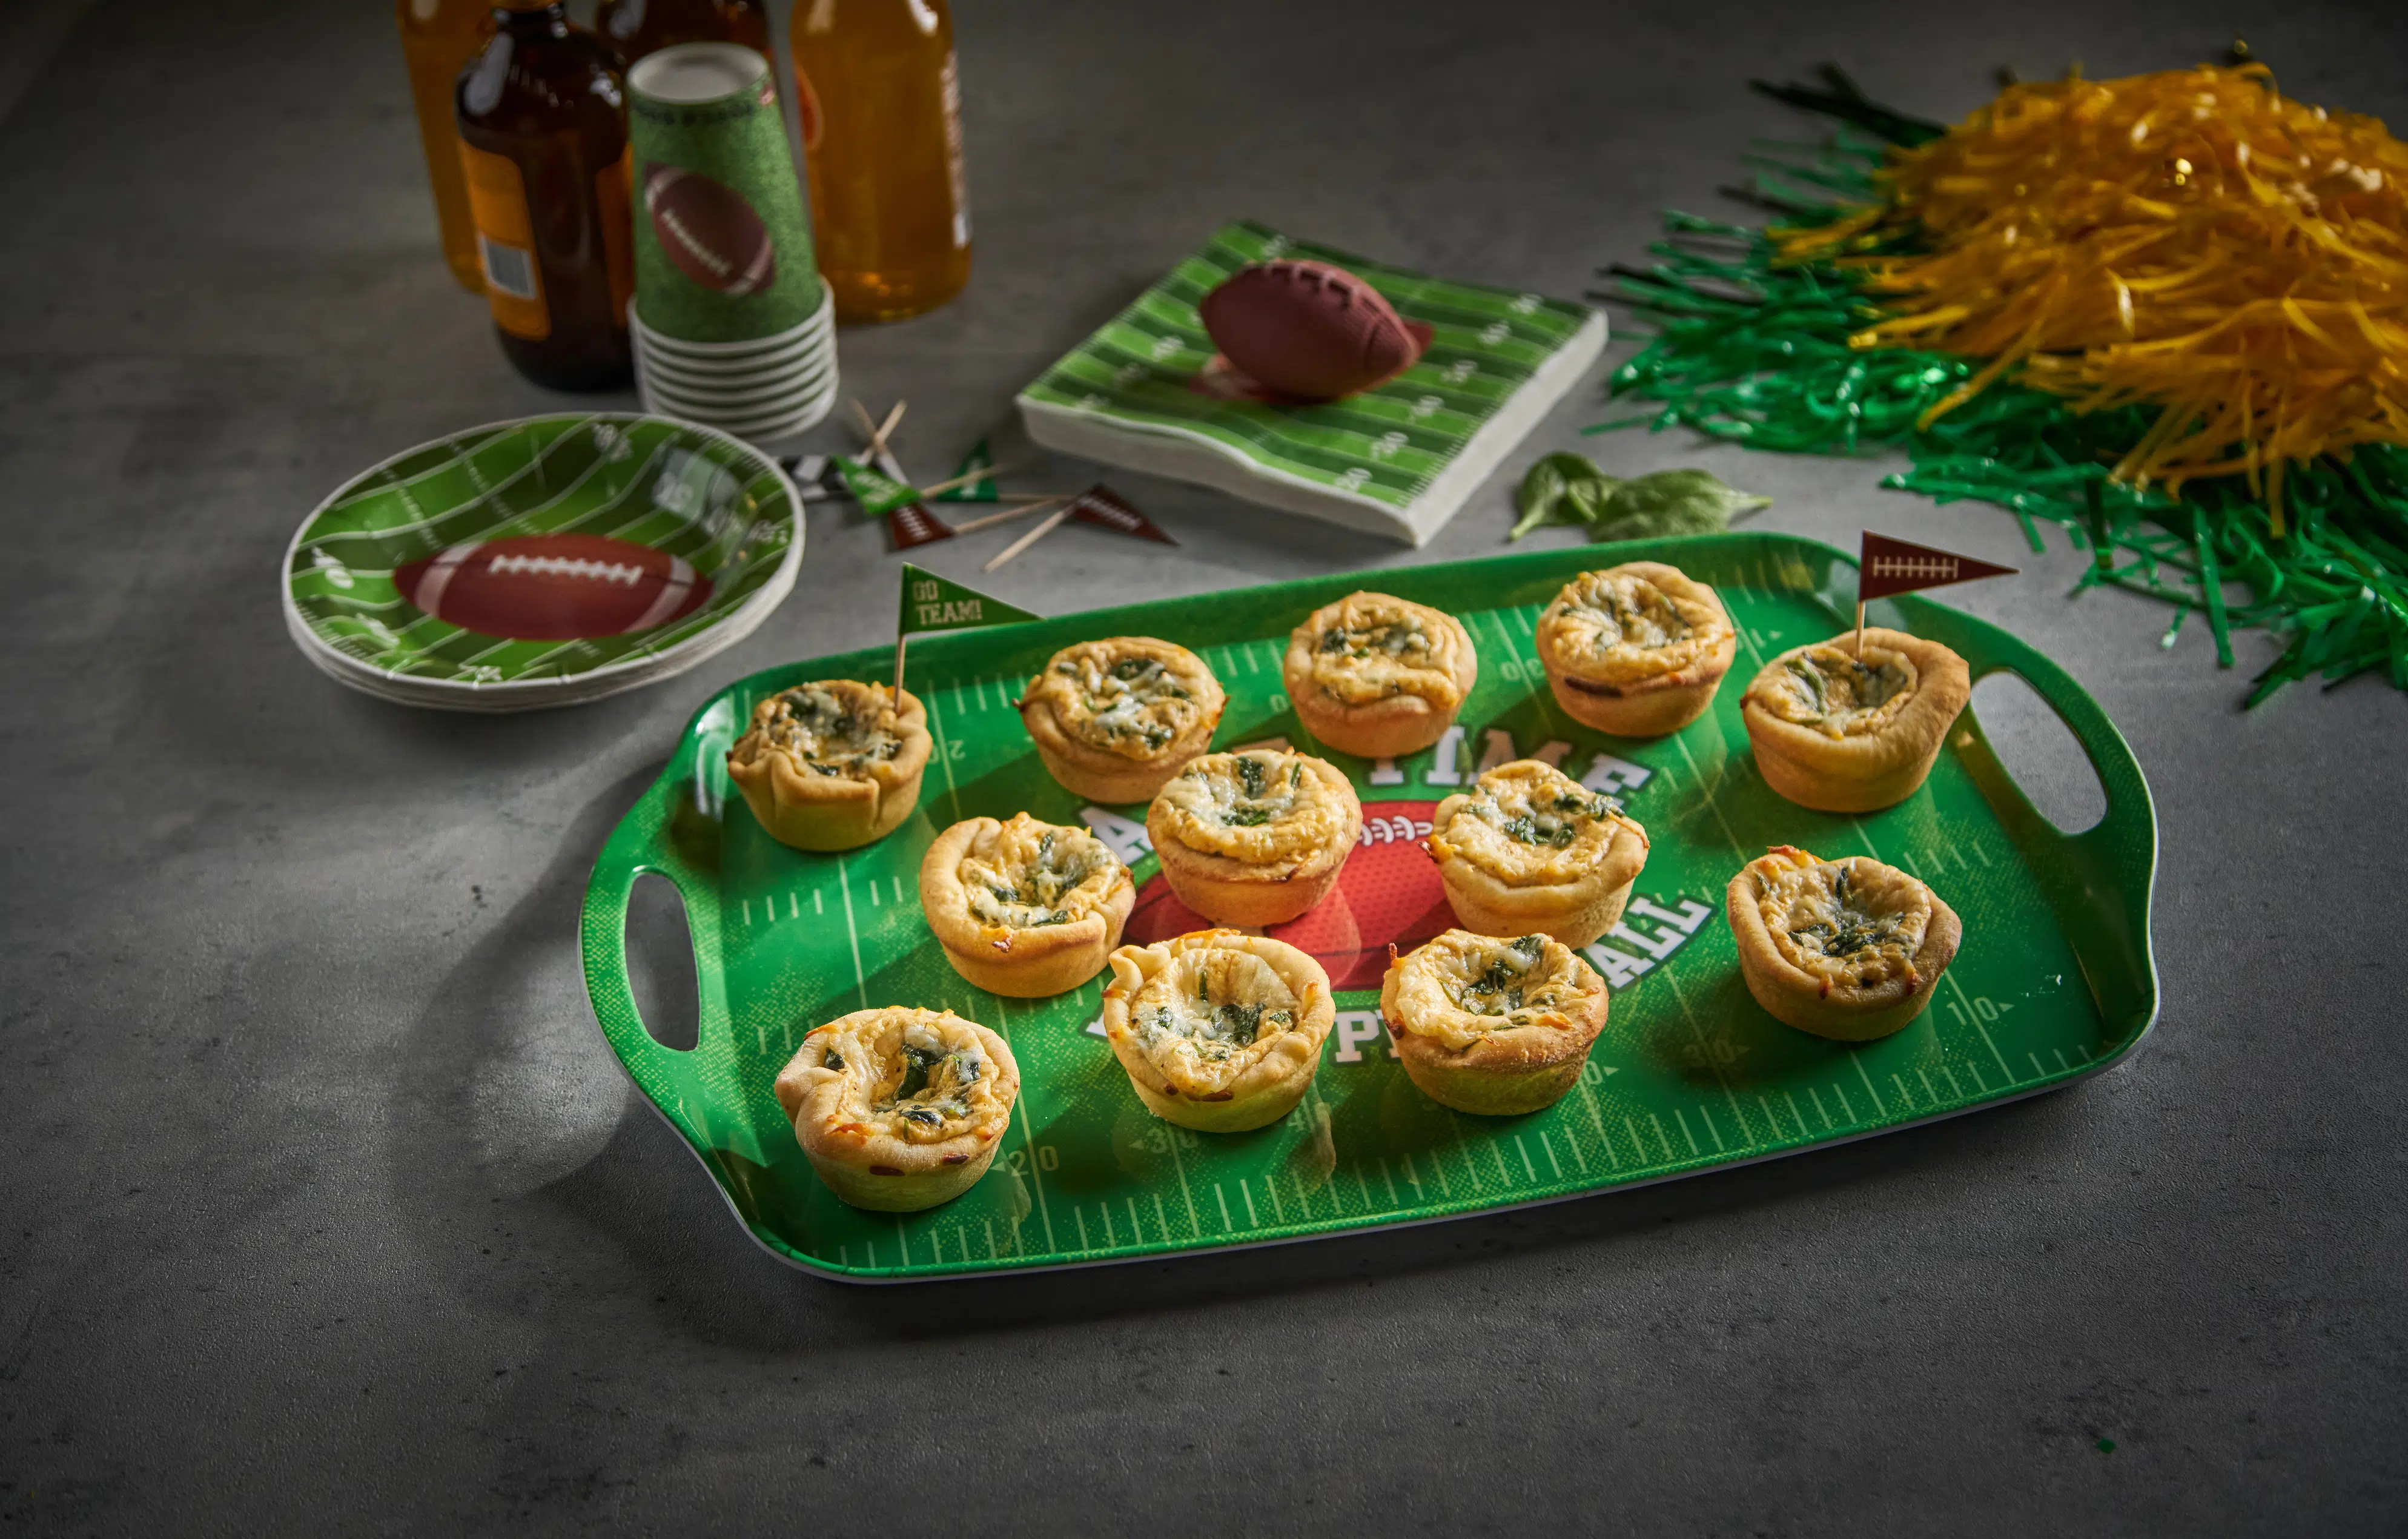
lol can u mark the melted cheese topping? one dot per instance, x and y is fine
(1264, 807)
(1853, 921)
(1129, 695)
(1209, 1016)
(1368, 646)
(1827, 688)
(836, 728)
(1027, 874)
(1616, 626)
(1528, 824)
(1461, 988)
(920, 1076)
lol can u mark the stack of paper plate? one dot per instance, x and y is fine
(542, 561)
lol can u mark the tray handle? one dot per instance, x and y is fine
(631, 853)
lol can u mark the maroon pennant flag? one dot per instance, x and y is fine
(1889, 566)
(910, 525)
(1106, 509)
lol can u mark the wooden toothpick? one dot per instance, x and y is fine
(877, 431)
(1031, 537)
(1861, 630)
(902, 640)
(980, 474)
(1006, 516)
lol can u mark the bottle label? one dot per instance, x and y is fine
(613, 202)
(505, 243)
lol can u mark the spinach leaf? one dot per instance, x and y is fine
(1671, 502)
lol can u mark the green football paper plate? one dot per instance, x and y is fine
(2054, 980)
(542, 561)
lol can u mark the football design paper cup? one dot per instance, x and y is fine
(762, 392)
(723, 244)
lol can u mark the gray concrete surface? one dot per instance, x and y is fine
(326, 1211)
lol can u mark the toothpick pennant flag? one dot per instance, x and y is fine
(879, 491)
(982, 490)
(1106, 509)
(1889, 566)
(938, 603)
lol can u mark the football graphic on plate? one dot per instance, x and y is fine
(1308, 330)
(553, 587)
(710, 231)
(1387, 893)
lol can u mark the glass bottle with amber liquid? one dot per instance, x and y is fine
(543, 149)
(637, 27)
(881, 109)
(438, 38)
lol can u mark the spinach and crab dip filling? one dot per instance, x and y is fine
(1834, 691)
(832, 763)
(1218, 1029)
(1629, 624)
(1024, 908)
(1528, 848)
(1113, 719)
(1848, 948)
(1377, 675)
(1493, 1024)
(899, 1108)
(1855, 923)
(1255, 838)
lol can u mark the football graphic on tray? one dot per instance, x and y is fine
(1388, 888)
(553, 587)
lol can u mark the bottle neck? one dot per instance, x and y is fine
(532, 18)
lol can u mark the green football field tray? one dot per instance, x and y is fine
(2055, 981)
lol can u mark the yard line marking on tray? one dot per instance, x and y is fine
(1636, 1142)
(1162, 1217)
(1905, 1096)
(872, 1245)
(1669, 1152)
(1699, 781)
(1845, 1107)
(2039, 1069)
(1590, 1095)
(818, 907)
(899, 888)
(844, 1256)
(1697, 1033)
(793, 907)
(874, 900)
(1711, 1131)
(1270, 1189)
(1978, 1083)
(1029, 1137)
(2059, 1053)
(1691, 1137)
(745, 904)
(1814, 1096)
(1549, 1150)
(1772, 1121)
(1226, 1223)
(1879, 1109)
(989, 1225)
(1407, 1160)
(1085, 1244)
(1966, 1004)
(1523, 1149)
(1180, 1166)
(852, 933)
(1111, 1241)
(1438, 1168)
(1363, 1185)
(1254, 1219)
(1951, 1075)
(944, 755)
(1393, 1198)
(904, 1240)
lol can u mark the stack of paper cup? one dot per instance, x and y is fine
(731, 325)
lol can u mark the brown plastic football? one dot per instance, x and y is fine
(1307, 329)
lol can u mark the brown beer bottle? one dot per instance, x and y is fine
(637, 27)
(438, 37)
(881, 110)
(543, 147)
